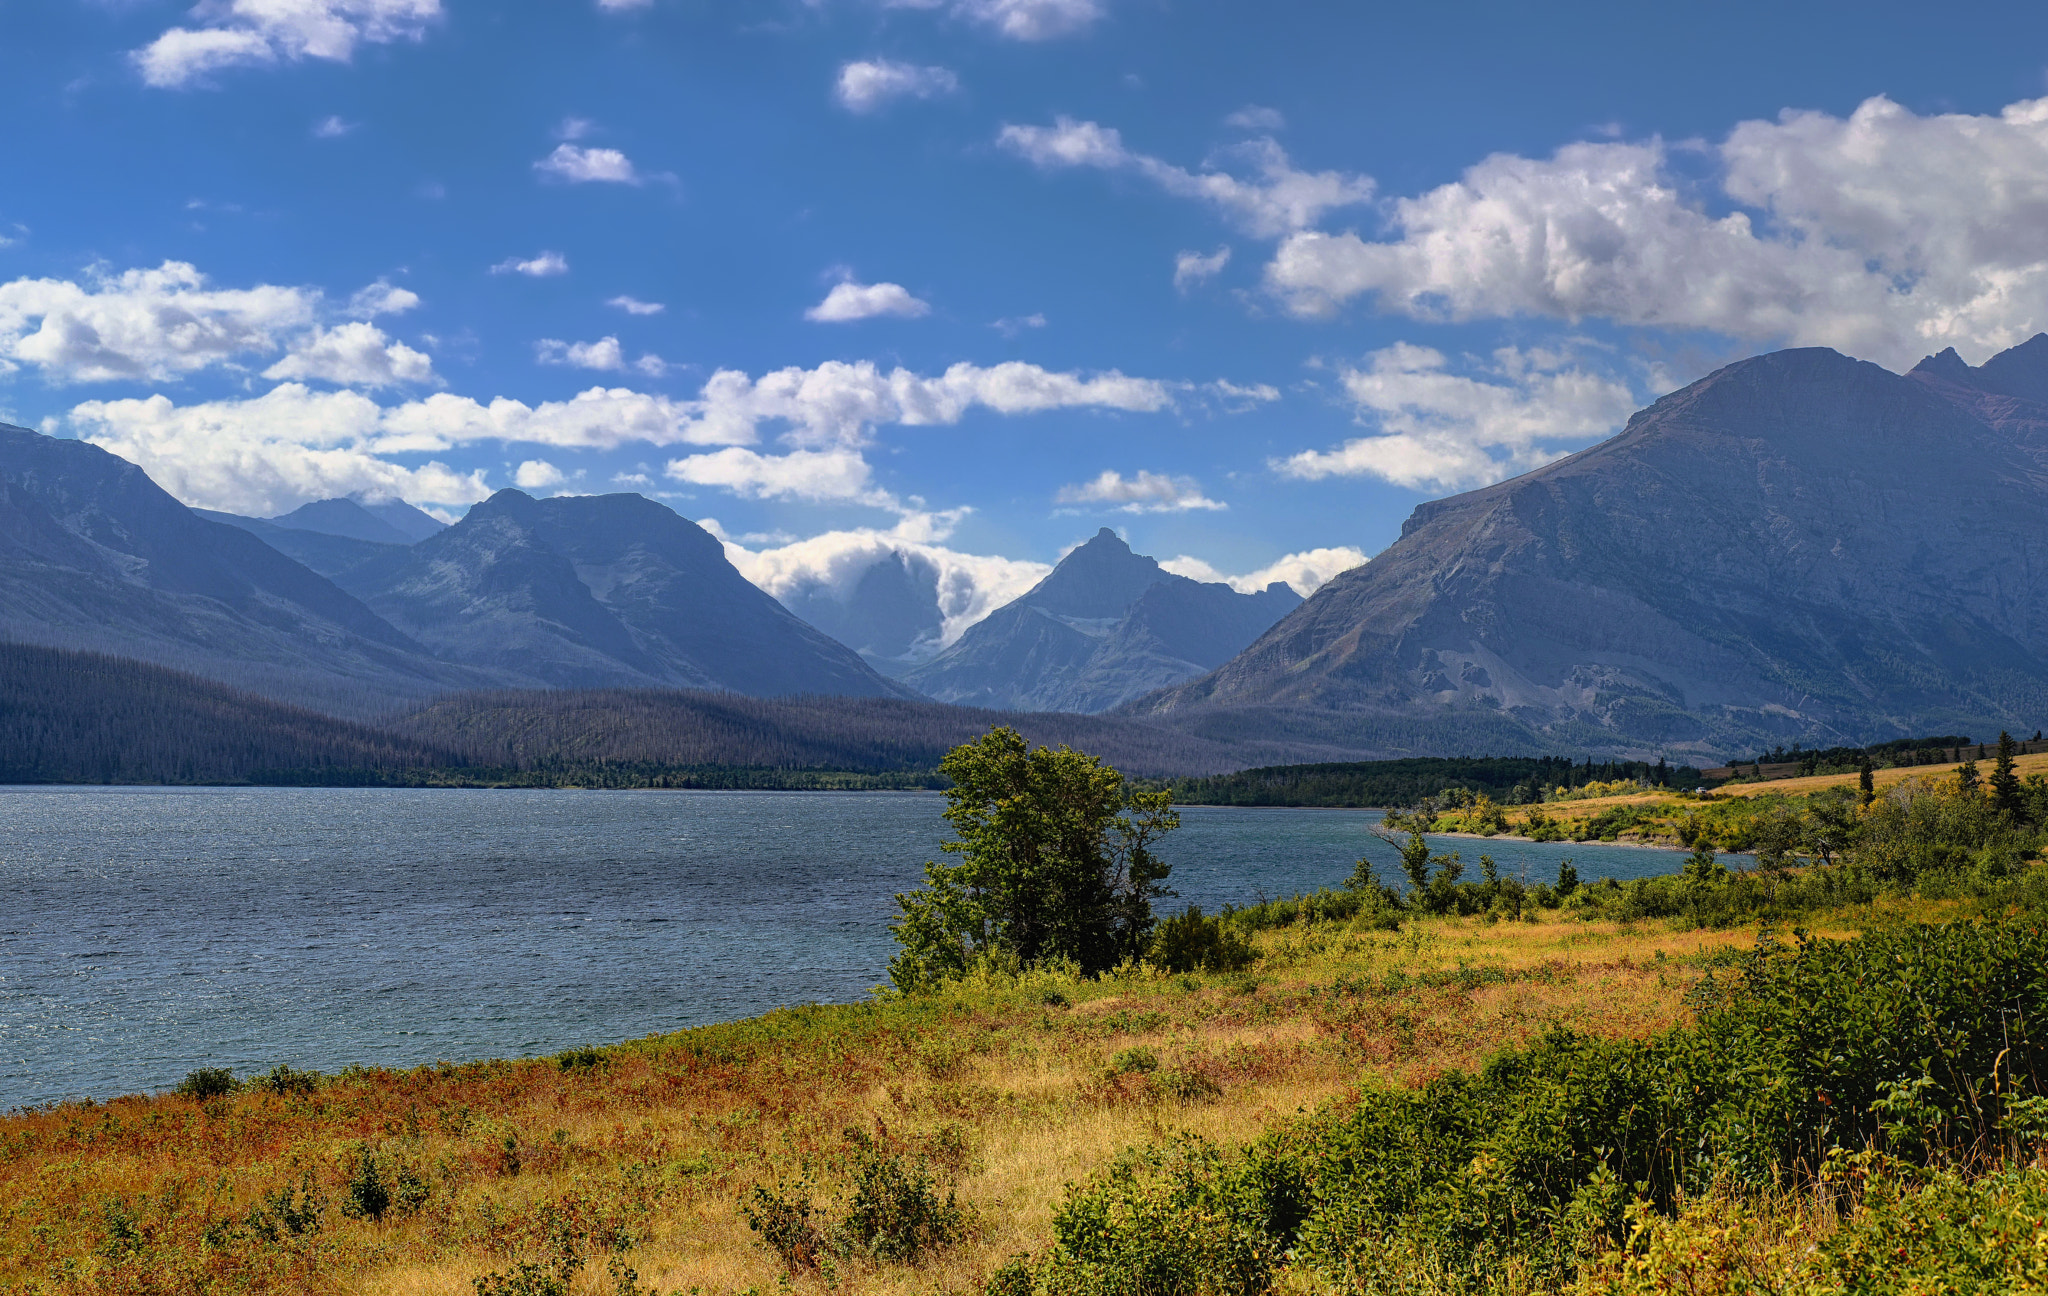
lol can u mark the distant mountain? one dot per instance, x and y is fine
(1106, 626)
(330, 555)
(94, 555)
(1799, 546)
(890, 613)
(592, 591)
(391, 522)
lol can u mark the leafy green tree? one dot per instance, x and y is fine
(2005, 785)
(1055, 862)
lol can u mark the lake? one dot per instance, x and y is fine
(145, 932)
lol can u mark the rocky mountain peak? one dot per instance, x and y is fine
(1100, 579)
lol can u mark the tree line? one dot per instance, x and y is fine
(1508, 780)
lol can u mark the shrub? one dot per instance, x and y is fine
(893, 1212)
(366, 1196)
(581, 1059)
(281, 1079)
(207, 1082)
(1192, 942)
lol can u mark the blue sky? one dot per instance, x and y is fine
(975, 277)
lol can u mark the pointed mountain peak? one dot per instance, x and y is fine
(341, 517)
(1101, 578)
(1945, 364)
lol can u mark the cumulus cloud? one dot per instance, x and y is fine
(236, 33)
(634, 306)
(1276, 200)
(538, 474)
(1024, 20)
(867, 85)
(381, 298)
(1436, 428)
(143, 324)
(1307, 571)
(540, 267)
(267, 455)
(352, 355)
(1146, 492)
(604, 353)
(1192, 269)
(574, 164)
(227, 453)
(970, 586)
(852, 301)
(1885, 234)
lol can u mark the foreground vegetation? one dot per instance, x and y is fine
(1432, 1084)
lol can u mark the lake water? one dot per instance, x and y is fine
(146, 932)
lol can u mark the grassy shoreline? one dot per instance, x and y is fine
(1014, 1087)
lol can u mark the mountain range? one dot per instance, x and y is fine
(1104, 627)
(1799, 546)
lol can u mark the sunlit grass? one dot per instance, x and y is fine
(1004, 1083)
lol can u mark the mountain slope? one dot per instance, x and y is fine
(596, 591)
(328, 554)
(72, 717)
(95, 555)
(1799, 545)
(343, 517)
(890, 613)
(1106, 626)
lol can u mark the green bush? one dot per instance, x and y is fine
(1925, 1044)
(893, 1212)
(207, 1082)
(1191, 942)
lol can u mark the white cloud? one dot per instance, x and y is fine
(1884, 234)
(253, 32)
(970, 586)
(1437, 429)
(1307, 571)
(574, 128)
(1024, 20)
(155, 324)
(381, 298)
(601, 354)
(634, 306)
(1192, 269)
(851, 301)
(1277, 201)
(1012, 326)
(1147, 492)
(332, 127)
(867, 85)
(540, 267)
(817, 476)
(267, 455)
(352, 355)
(538, 474)
(1252, 117)
(624, 6)
(575, 164)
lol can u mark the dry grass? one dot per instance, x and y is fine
(651, 1149)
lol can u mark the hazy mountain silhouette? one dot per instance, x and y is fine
(891, 612)
(1799, 545)
(1106, 626)
(95, 555)
(609, 590)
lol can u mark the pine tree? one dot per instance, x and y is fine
(1866, 781)
(2005, 785)
(1967, 781)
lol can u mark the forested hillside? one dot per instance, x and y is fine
(533, 729)
(72, 717)
(1510, 780)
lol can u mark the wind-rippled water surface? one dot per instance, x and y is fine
(146, 932)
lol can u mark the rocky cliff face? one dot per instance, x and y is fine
(597, 591)
(1106, 626)
(1800, 545)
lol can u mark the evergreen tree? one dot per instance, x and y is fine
(1967, 781)
(2005, 785)
(1866, 781)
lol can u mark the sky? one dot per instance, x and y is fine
(974, 278)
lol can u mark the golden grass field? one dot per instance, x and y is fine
(650, 1147)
